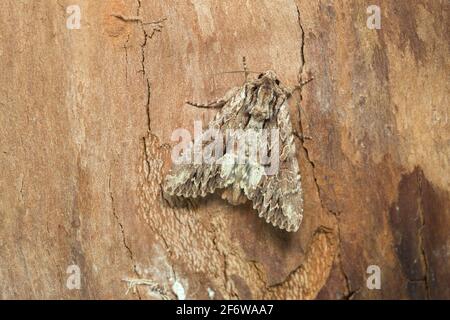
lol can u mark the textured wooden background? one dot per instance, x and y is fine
(85, 122)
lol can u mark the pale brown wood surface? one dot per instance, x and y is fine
(86, 118)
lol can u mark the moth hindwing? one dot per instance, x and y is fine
(247, 118)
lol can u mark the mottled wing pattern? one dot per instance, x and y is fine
(197, 180)
(278, 198)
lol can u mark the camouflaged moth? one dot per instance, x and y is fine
(259, 104)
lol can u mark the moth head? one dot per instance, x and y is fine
(269, 77)
(267, 92)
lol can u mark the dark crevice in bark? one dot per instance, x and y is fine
(421, 238)
(308, 157)
(349, 291)
(305, 148)
(122, 231)
(350, 295)
(147, 105)
(156, 27)
(321, 230)
(228, 283)
(300, 73)
(302, 44)
(116, 217)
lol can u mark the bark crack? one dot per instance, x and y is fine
(300, 88)
(301, 72)
(349, 294)
(147, 105)
(229, 284)
(156, 26)
(421, 238)
(299, 273)
(122, 231)
(22, 196)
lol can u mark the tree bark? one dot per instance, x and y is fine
(86, 121)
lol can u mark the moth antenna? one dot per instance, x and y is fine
(236, 71)
(244, 63)
(210, 105)
(300, 86)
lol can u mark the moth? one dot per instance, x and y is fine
(260, 103)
